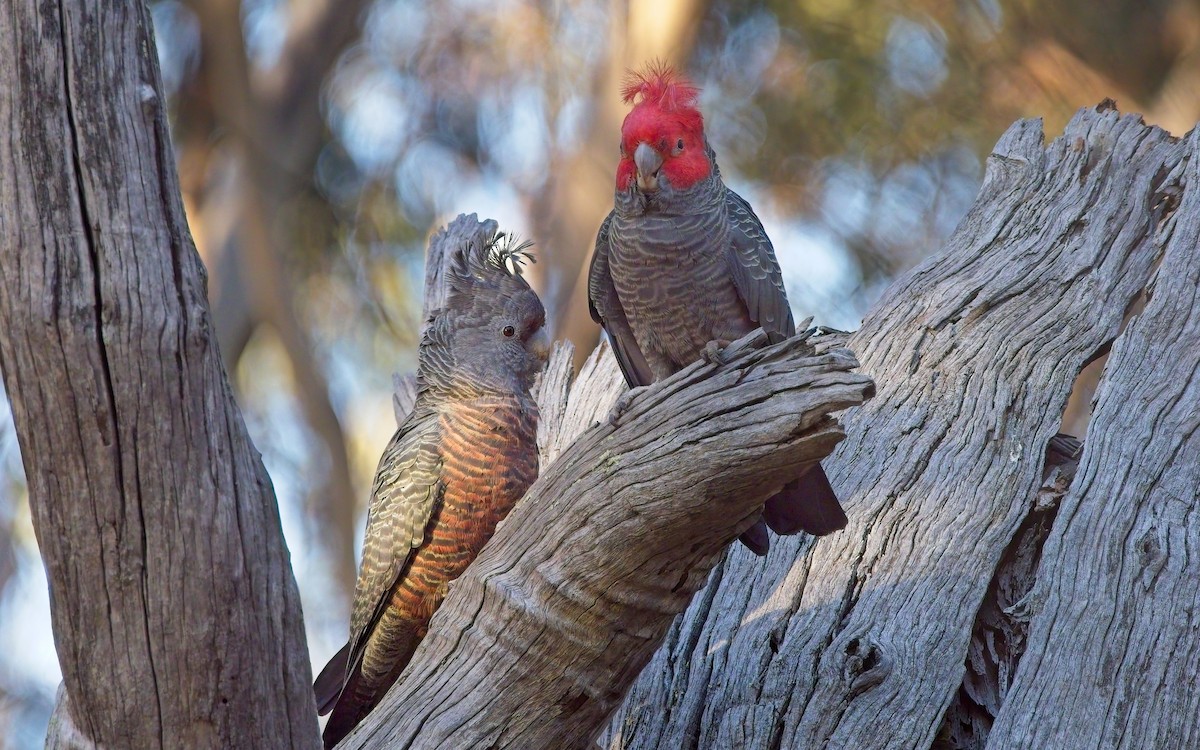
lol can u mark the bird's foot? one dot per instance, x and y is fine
(713, 352)
(623, 402)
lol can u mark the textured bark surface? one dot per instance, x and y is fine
(175, 613)
(1001, 627)
(1115, 607)
(590, 398)
(539, 639)
(910, 628)
(860, 639)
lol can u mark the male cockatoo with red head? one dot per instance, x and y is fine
(682, 261)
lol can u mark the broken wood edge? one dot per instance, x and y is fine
(581, 581)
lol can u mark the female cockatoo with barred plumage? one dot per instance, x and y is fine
(463, 457)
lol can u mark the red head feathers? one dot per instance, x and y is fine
(665, 117)
(661, 87)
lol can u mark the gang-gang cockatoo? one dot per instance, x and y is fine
(682, 261)
(460, 461)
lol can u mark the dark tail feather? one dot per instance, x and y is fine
(756, 539)
(355, 702)
(329, 683)
(806, 504)
(391, 647)
(348, 711)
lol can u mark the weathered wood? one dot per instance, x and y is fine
(175, 613)
(976, 351)
(177, 618)
(1001, 629)
(537, 642)
(1113, 654)
(551, 391)
(590, 400)
(859, 640)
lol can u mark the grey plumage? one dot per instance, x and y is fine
(674, 269)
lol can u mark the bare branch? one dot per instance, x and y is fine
(540, 638)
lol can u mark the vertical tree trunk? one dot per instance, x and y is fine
(1113, 654)
(177, 619)
(175, 613)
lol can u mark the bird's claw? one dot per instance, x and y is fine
(623, 402)
(713, 352)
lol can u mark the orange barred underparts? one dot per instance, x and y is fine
(477, 437)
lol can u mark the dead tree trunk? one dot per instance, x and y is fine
(860, 640)
(1113, 655)
(175, 613)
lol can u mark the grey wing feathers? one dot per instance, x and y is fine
(607, 311)
(407, 490)
(755, 270)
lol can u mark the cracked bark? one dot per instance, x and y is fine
(1115, 601)
(1001, 629)
(952, 539)
(174, 610)
(539, 639)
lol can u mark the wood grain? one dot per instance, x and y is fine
(177, 618)
(175, 613)
(1113, 653)
(537, 642)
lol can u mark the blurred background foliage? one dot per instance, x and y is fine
(319, 142)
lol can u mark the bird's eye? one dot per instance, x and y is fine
(679, 145)
(509, 332)
(622, 147)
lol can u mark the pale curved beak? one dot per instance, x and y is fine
(648, 162)
(539, 344)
